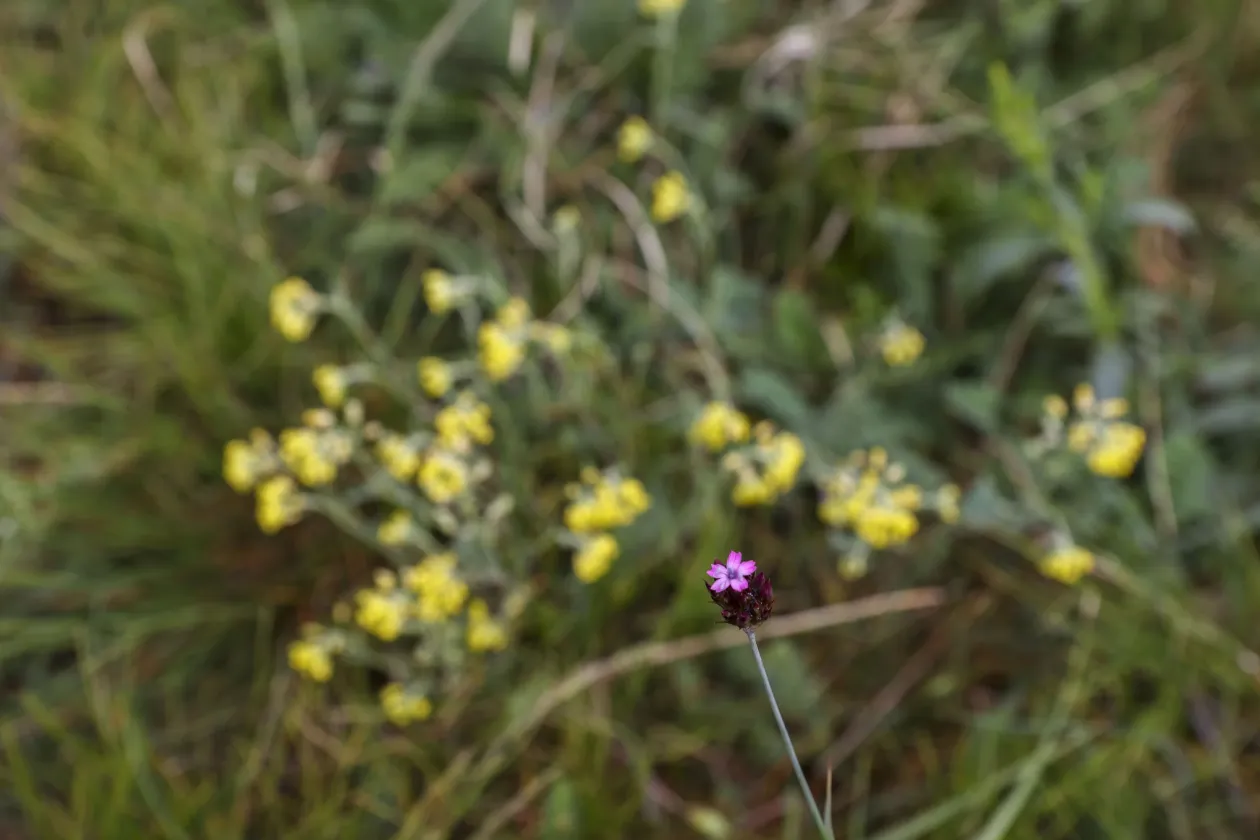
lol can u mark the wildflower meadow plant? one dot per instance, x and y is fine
(746, 599)
(406, 453)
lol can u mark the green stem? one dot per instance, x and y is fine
(787, 739)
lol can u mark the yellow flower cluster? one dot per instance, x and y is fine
(767, 469)
(501, 341)
(596, 553)
(443, 475)
(442, 292)
(440, 593)
(295, 307)
(331, 383)
(719, 425)
(671, 197)
(399, 455)
(396, 528)
(435, 376)
(485, 633)
(382, 611)
(278, 504)
(312, 655)
(463, 423)
(901, 344)
(634, 138)
(314, 454)
(245, 463)
(1111, 445)
(1067, 564)
(442, 468)
(311, 659)
(868, 494)
(403, 707)
(601, 502)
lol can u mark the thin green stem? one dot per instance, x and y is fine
(787, 740)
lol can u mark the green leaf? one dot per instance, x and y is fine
(1233, 415)
(1156, 212)
(776, 397)
(985, 507)
(560, 811)
(420, 174)
(975, 402)
(1191, 468)
(796, 329)
(1002, 254)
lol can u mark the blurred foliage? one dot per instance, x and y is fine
(1052, 192)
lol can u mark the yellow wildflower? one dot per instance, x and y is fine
(382, 614)
(440, 593)
(783, 459)
(1068, 565)
(1055, 406)
(331, 383)
(633, 497)
(906, 497)
(294, 308)
(401, 707)
(670, 197)
(395, 529)
(881, 527)
(719, 425)
(607, 503)
(499, 351)
(314, 455)
(443, 475)
(278, 504)
(440, 293)
(513, 314)
(399, 457)
(595, 557)
(900, 344)
(464, 421)
(658, 8)
(751, 490)
(556, 337)
(634, 138)
(1111, 446)
(565, 219)
(1117, 450)
(312, 660)
(485, 633)
(434, 375)
(247, 462)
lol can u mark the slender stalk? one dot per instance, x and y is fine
(787, 740)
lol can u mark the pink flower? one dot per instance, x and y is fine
(733, 575)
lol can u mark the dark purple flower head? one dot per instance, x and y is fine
(734, 574)
(747, 605)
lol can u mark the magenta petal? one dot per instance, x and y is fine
(720, 585)
(747, 567)
(717, 570)
(733, 560)
(739, 584)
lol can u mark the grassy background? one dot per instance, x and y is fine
(162, 165)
